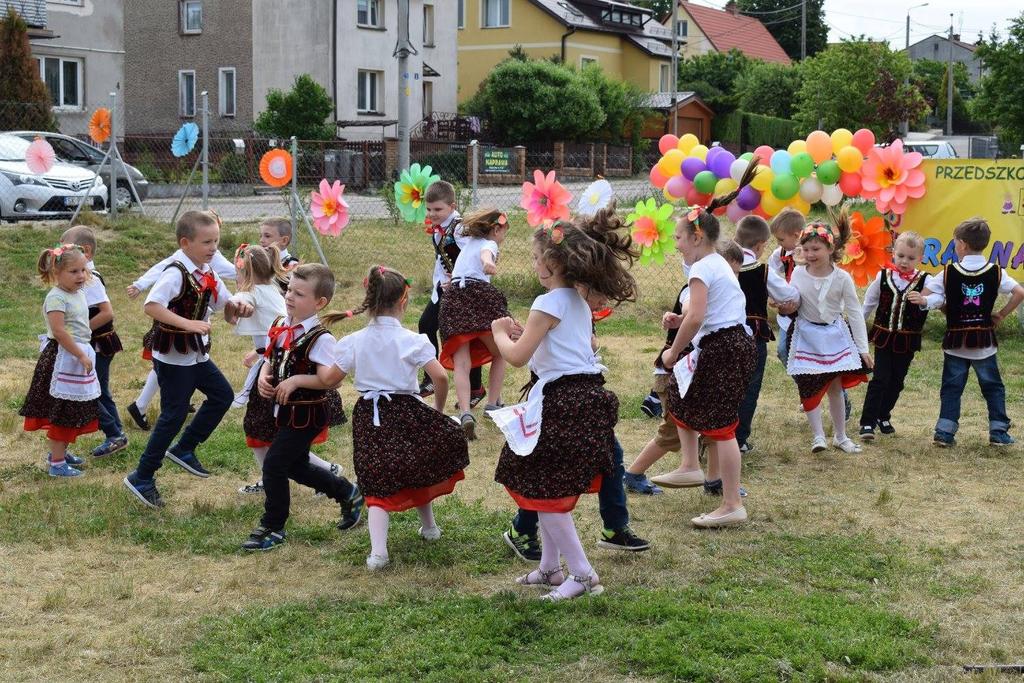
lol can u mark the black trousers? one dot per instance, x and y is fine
(885, 386)
(429, 325)
(288, 458)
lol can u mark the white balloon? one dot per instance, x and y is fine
(737, 168)
(831, 195)
(810, 190)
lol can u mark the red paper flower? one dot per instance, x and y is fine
(545, 199)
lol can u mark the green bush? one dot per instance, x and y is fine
(451, 166)
(769, 89)
(728, 127)
(302, 112)
(232, 169)
(768, 130)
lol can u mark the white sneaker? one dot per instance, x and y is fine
(846, 445)
(819, 444)
(430, 534)
(377, 562)
(241, 398)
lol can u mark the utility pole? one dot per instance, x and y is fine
(949, 81)
(403, 49)
(803, 30)
(905, 125)
(675, 67)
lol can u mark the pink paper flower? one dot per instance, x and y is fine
(39, 156)
(892, 178)
(330, 211)
(545, 199)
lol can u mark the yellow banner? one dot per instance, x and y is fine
(958, 189)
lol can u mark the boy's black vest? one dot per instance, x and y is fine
(104, 340)
(970, 297)
(306, 408)
(448, 249)
(670, 336)
(754, 283)
(191, 303)
(898, 323)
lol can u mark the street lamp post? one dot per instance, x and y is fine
(905, 125)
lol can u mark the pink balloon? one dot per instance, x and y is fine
(863, 140)
(764, 152)
(667, 142)
(657, 179)
(735, 213)
(678, 186)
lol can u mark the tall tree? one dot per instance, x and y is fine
(1002, 88)
(769, 89)
(713, 76)
(302, 112)
(782, 19)
(25, 102)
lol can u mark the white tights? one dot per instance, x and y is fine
(559, 537)
(836, 408)
(380, 519)
(149, 390)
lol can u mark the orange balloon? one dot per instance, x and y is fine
(819, 146)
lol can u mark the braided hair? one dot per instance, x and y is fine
(386, 288)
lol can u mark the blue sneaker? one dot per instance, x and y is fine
(1000, 439)
(70, 458)
(64, 469)
(943, 439)
(639, 483)
(351, 509)
(145, 491)
(110, 446)
(263, 538)
(651, 406)
(188, 462)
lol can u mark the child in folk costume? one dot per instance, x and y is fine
(470, 304)
(62, 398)
(566, 442)
(896, 332)
(405, 453)
(104, 342)
(720, 367)
(827, 353)
(785, 227)
(180, 304)
(258, 271)
(298, 379)
(969, 287)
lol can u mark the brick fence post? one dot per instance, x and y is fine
(391, 169)
(558, 156)
(521, 161)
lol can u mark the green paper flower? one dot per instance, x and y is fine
(410, 190)
(653, 230)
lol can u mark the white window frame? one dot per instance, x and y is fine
(682, 28)
(461, 14)
(428, 98)
(72, 3)
(506, 4)
(588, 59)
(182, 113)
(373, 106)
(80, 80)
(374, 14)
(428, 25)
(185, 30)
(222, 92)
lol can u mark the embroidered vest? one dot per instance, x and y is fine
(898, 323)
(448, 250)
(104, 340)
(970, 296)
(306, 407)
(670, 336)
(754, 283)
(191, 303)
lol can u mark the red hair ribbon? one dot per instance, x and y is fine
(286, 331)
(208, 283)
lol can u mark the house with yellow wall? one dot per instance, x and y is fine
(627, 41)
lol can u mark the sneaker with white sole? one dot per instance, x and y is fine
(62, 469)
(377, 562)
(468, 423)
(846, 445)
(110, 446)
(867, 433)
(252, 489)
(819, 444)
(240, 400)
(430, 533)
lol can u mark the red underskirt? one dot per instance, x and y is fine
(725, 433)
(256, 443)
(849, 381)
(564, 504)
(409, 498)
(147, 354)
(58, 433)
(478, 353)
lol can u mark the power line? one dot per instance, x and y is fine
(773, 11)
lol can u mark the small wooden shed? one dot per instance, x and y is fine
(692, 115)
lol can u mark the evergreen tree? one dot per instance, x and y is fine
(782, 19)
(25, 102)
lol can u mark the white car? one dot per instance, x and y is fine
(55, 194)
(931, 149)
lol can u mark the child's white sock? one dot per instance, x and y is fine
(814, 419)
(837, 408)
(149, 390)
(426, 516)
(316, 461)
(378, 522)
(548, 547)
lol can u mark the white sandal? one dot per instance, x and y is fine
(545, 578)
(591, 586)
(847, 445)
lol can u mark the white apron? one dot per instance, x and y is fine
(820, 349)
(684, 370)
(70, 381)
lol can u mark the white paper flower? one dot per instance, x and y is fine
(596, 197)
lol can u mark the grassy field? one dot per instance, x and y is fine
(903, 563)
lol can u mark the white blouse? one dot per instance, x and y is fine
(565, 349)
(384, 356)
(470, 262)
(826, 299)
(268, 305)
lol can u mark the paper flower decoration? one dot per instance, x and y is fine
(595, 198)
(410, 190)
(652, 230)
(99, 125)
(39, 156)
(545, 199)
(891, 177)
(185, 139)
(867, 250)
(276, 168)
(330, 211)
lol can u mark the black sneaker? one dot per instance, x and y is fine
(525, 546)
(475, 396)
(188, 462)
(426, 388)
(651, 406)
(145, 491)
(867, 433)
(351, 509)
(746, 447)
(886, 427)
(623, 539)
(137, 417)
(263, 538)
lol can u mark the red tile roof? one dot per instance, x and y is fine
(725, 31)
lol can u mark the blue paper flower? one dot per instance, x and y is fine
(185, 139)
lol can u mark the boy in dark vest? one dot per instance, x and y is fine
(180, 303)
(968, 287)
(896, 332)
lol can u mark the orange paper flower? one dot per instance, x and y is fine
(276, 168)
(99, 125)
(867, 251)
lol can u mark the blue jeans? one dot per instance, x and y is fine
(782, 351)
(954, 381)
(110, 421)
(611, 500)
(749, 404)
(177, 384)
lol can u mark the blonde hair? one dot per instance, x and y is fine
(53, 261)
(257, 265)
(483, 223)
(82, 235)
(910, 239)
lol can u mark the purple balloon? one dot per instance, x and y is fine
(748, 198)
(721, 163)
(735, 212)
(692, 166)
(677, 186)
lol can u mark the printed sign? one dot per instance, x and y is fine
(497, 160)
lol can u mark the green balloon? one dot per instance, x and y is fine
(705, 182)
(802, 165)
(828, 172)
(747, 156)
(785, 185)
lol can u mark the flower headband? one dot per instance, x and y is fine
(819, 230)
(693, 214)
(59, 251)
(239, 262)
(554, 232)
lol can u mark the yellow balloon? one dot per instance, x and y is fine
(841, 138)
(799, 204)
(687, 142)
(699, 151)
(797, 147)
(669, 164)
(763, 180)
(725, 186)
(849, 159)
(771, 204)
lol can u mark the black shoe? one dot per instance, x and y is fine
(188, 462)
(475, 396)
(746, 447)
(145, 491)
(714, 488)
(622, 539)
(525, 546)
(426, 388)
(651, 406)
(867, 433)
(886, 427)
(263, 538)
(351, 509)
(137, 417)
